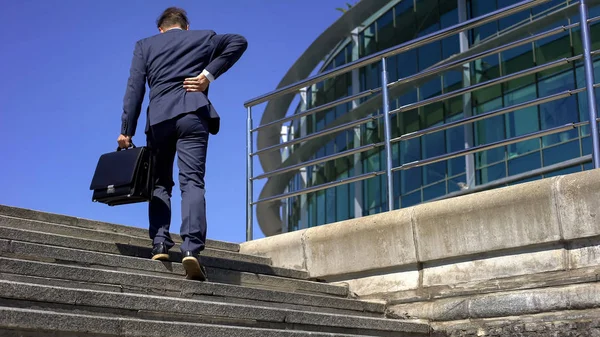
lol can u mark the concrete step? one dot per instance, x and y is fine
(211, 258)
(89, 278)
(88, 253)
(30, 296)
(29, 214)
(17, 322)
(84, 233)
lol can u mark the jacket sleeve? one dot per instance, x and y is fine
(228, 50)
(134, 93)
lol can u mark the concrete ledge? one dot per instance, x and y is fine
(549, 258)
(285, 250)
(378, 286)
(516, 216)
(574, 297)
(371, 243)
(381, 241)
(535, 227)
(578, 204)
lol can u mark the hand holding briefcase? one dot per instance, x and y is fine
(123, 177)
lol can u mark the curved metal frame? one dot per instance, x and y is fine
(386, 114)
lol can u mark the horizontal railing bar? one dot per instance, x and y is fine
(429, 72)
(319, 160)
(320, 187)
(318, 134)
(486, 115)
(460, 62)
(494, 113)
(435, 36)
(486, 84)
(484, 147)
(593, 20)
(499, 182)
(319, 108)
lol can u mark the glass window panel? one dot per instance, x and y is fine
(408, 60)
(385, 31)
(434, 172)
(456, 166)
(482, 71)
(405, 22)
(491, 173)
(560, 153)
(452, 80)
(367, 41)
(582, 97)
(568, 170)
(553, 47)
(434, 145)
(372, 193)
(428, 16)
(558, 112)
(478, 8)
(526, 180)
(429, 55)
(320, 208)
(455, 141)
(434, 191)
(410, 179)
(430, 89)
(411, 199)
(488, 131)
(457, 183)
(524, 163)
(522, 121)
(450, 45)
(546, 6)
(586, 146)
(515, 60)
(511, 20)
(331, 204)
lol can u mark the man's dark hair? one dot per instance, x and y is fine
(172, 16)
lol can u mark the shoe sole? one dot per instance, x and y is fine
(161, 257)
(193, 269)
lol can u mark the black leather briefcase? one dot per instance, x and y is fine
(123, 177)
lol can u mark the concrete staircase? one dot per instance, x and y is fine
(66, 276)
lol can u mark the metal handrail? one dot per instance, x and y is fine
(321, 187)
(319, 108)
(319, 160)
(485, 84)
(432, 37)
(325, 132)
(587, 56)
(428, 72)
(485, 147)
(494, 113)
(480, 117)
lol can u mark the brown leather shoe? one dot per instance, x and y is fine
(160, 252)
(193, 269)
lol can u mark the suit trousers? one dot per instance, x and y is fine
(187, 135)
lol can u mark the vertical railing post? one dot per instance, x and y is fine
(249, 176)
(589, 81)
(387, 134)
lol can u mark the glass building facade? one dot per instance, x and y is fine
(402, 21)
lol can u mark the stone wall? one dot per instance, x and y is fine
(435, 261)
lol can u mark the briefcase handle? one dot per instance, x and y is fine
(132, 146)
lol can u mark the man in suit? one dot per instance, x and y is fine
(179, 64)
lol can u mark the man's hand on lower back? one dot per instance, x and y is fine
(124, 141)
(196, 84)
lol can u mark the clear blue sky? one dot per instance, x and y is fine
(64, 66)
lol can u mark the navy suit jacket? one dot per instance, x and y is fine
(165, 60)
